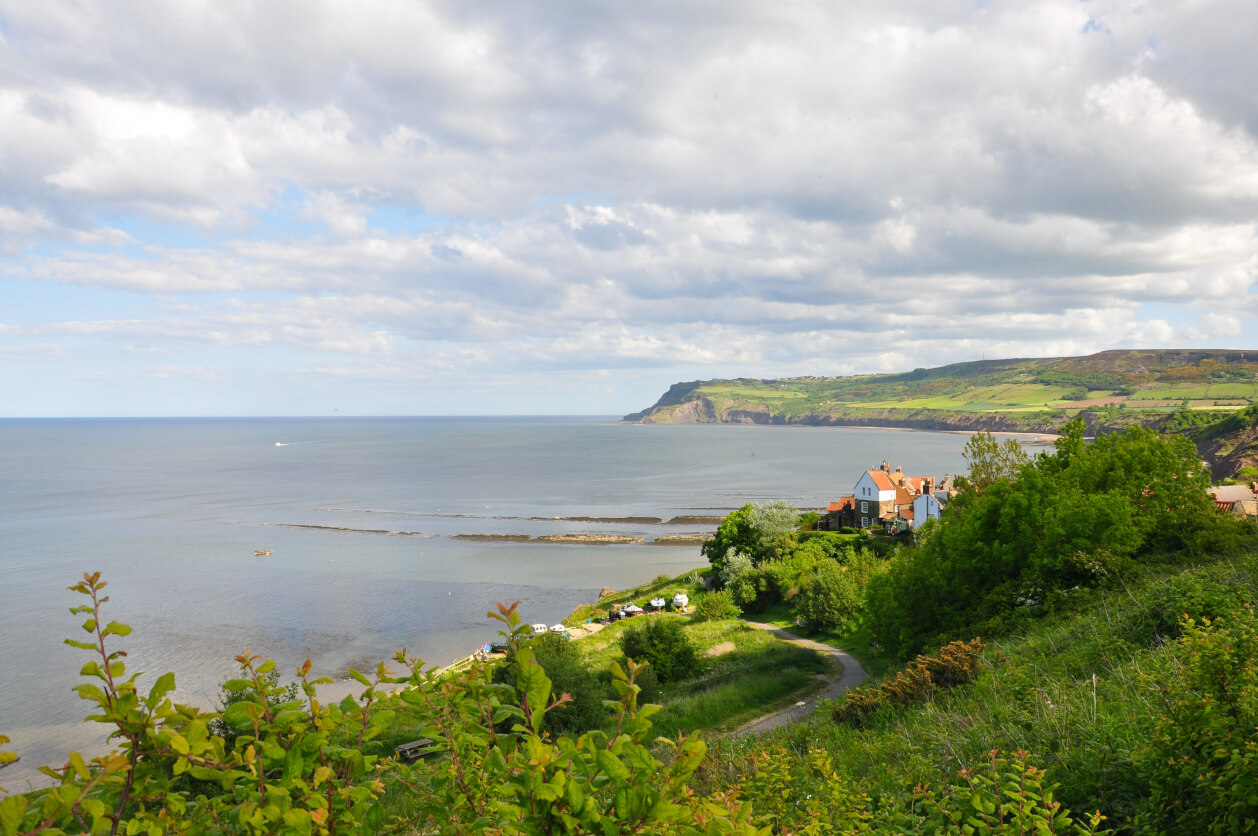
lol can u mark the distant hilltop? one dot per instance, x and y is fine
(1110, 389)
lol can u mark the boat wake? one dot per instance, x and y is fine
(293, 443)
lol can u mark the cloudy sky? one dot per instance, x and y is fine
(399, 207)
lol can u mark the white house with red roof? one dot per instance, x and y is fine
(874, 495)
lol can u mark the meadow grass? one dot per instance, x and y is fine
(1077, 689)
(662, 586)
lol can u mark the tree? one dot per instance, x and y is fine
(1069, 519)
(991, 460)
(761, 532)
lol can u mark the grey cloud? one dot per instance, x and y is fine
(655, 185)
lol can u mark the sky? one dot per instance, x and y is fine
(409, 207)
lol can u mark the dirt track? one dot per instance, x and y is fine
(852, 675)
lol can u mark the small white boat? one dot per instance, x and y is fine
(558, 628)
(680, 601)
(538, 629)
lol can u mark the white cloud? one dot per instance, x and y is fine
(741, 188)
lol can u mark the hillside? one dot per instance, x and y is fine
(1230, 444)
(1110, 389)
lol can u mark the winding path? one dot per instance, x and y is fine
(852, 675)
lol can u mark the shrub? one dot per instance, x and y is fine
(957, 663)
(661, 641)
(585, 708)
(716, 606)
(271, 691)
(830, 599)
(303, 770)
(1201, 762)
(1006, 797)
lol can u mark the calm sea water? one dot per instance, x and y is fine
(360, 516)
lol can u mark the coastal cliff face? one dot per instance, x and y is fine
(703, 411)
(1109, 390)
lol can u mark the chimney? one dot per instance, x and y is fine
(886, 467)
(928, 484)
(899, 469)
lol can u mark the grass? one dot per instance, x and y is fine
(1077, 689)
(662, 586)
(1020, 391)
(760, 674)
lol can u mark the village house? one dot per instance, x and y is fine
(1238, 500)
(888, 498)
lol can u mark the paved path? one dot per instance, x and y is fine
(853, 674)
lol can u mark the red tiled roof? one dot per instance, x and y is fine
(903, 497)
(843, 504)
(881, 481)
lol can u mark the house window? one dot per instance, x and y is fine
(864, 507)
(864, 522)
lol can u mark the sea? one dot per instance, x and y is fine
(365, 525)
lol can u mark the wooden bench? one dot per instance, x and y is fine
(414, 749)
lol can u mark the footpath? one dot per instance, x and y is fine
(852, 675)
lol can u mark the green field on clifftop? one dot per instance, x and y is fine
(1034, 394)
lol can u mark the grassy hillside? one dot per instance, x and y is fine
(1086, 692)
(1110, 389)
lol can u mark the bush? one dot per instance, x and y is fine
(568, 674)
(956, 664)
(303, 769)
(831, 599)
(661, 642)
(1201, 762)
(271, 691)
(716, 606)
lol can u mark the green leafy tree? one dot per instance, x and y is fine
(761, 532)
(991, 460)
(1069, 519)
(831, 599)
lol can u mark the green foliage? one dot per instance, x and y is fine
(832, 590)
(661, 641)
(1201, 762)
(785, 789)
(1007, 798)
(1073, 518)
(585, 708)
(761, 532)
(301, 769)
(831, 599)
(717, 605)
(272, 692)
(991, 460)
(736, 565)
